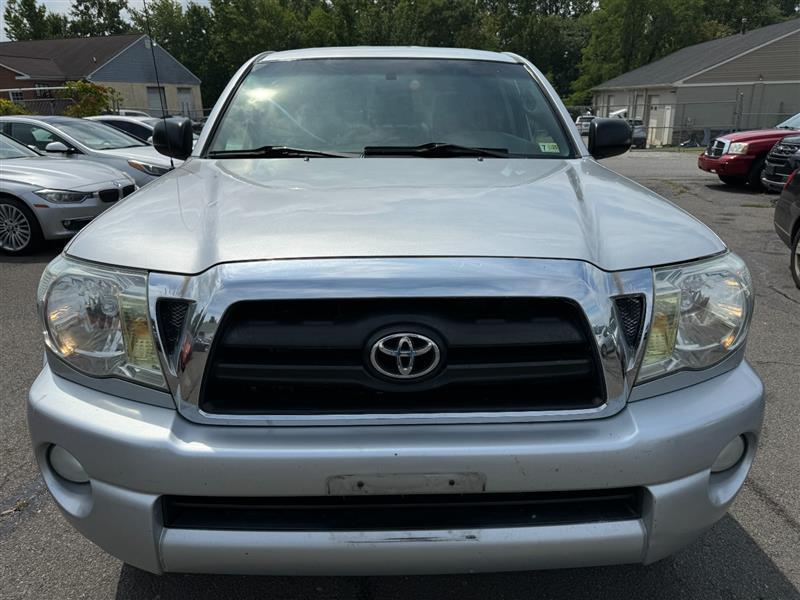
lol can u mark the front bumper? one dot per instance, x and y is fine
(134, 453)
(65, 220)
(732, 165)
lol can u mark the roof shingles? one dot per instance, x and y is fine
(692, 59)
(73, 58)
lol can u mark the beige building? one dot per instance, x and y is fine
(744, 81)
(123, 62)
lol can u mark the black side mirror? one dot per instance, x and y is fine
(173, 137)
(609, 137)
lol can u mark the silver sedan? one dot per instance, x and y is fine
(82, 140)
(44, 198)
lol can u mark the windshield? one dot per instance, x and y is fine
(11, 149)
(97, 136)
(346, 105)
(790, 123)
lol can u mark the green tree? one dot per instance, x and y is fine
(7, 107)
(98, 17)
(88, 98)
(25, 20)
(164, 21)
(58, 25)
(626, 34)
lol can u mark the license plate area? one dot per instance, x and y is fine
(397, 484)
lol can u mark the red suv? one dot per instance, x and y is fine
(738, 158)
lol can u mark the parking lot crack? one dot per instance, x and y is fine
(773, 504)
(784, 294)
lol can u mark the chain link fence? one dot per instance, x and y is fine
(684, 124)
(49, 101)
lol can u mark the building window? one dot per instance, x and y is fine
(43, 91)
(16, 96)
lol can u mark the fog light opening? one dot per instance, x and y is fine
(66, 466)
(730, 455)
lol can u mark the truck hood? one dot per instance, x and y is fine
(757, 134)
(59, 173)
(214, 211)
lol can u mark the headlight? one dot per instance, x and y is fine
(149, 168)
(95, 319)
(738, 148)
(701, 312)
(63, 196)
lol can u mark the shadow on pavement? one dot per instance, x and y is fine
(48, 252)
(724, 563)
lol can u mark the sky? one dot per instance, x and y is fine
(63, 6)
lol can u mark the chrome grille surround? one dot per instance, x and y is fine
(214, 290)
(717, 148)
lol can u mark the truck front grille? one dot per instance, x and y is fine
(778, 158)
(279, 357)
(716, 148)
(401, 513)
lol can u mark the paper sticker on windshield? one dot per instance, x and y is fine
(550, 147)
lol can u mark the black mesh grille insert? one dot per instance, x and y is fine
(128, 190)
(109, 195)
(377, 513)
(171, 319)
(631, 315)
(312, 357)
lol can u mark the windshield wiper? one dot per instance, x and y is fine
(275, 152)
(434, 149)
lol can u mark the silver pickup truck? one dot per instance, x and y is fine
(392, 316)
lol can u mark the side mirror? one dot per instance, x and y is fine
(173, 137)
(609, 137)
(57, 147)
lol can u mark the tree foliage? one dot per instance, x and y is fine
(625, 34)
(7, 107)
(97, 17)
(27, 20)
(88, 98)
(576, 43)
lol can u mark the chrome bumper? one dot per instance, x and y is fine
(135, 452)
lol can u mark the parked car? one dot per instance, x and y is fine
(639, 135)
(129, 112)
(79, 139)
(45, 198)
(778, 165)
(582, 123)
(787, 215)
(393, 317)
(139, 127)
(740, 157)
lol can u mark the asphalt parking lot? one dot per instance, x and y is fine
(750, 554)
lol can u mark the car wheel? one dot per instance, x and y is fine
(754, 176)
(795, 260)
(731, 180)
(19, 229)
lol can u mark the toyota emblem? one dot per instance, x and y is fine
(405, 355)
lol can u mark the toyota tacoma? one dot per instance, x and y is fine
(392, 316)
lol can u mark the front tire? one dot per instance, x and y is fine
(730, 180)
(19, 230)
(794, 261)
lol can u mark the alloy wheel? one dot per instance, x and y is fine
(15, 229)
